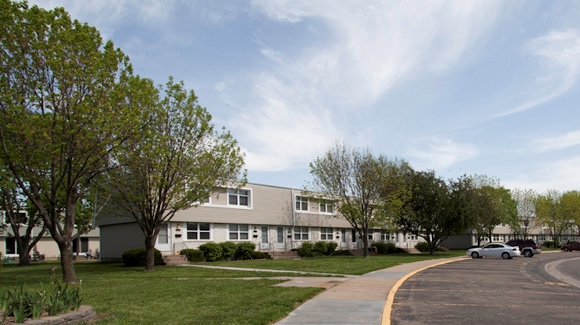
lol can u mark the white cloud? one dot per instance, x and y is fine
(558, 53)
(308, 95)
(563, 141)
(563, 175)
(440, 153)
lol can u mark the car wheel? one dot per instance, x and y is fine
(528, 253)
(566, 249)
(505, 255)
(474, 255)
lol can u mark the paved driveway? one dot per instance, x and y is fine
(492, 291)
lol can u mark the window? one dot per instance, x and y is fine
(239, 232)
(197, 231)
(300, 233)
(343, 236)
(385, 235)
(301, 203)
(496, 237)
(326, 207)
(326, 234)
(239, 197)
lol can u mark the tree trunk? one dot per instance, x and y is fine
(23, 254)
(150, 253)
(365, 240)
(66, 262)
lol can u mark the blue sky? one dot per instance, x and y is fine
(460, 87)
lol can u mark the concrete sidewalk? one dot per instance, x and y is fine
(359, 300)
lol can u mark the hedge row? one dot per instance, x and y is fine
(211, 252)
(138, 257)
(321, 248)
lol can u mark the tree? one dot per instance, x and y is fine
(570, 202)
(178, 161)
(526, 206)
(20, 215)
(431, 212)
(358, 182)
(63, 111)
(549, 212)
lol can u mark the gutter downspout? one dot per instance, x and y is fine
(293, 205)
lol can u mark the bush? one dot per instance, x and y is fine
(306, 249)
(384, 247)
(193, 255)
(342, 252)
(256, 255)
(320, 247)
(244, 251)
(228, 250)
(423, 246)
(549, 244)
(211, 251)
(138, 257)
(331, 248)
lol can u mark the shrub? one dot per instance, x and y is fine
(342, 252)
(422, 246)
(549, 244)
(193, 255)
(229, 250)
(321, 247)
(244, 251)
(211, 251)
(138, 257)
(305, 250)
(331, 248)
(256, 255)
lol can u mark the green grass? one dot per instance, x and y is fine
(347, 265)
(190, 295)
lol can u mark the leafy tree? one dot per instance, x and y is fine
(63, 111)
(13, 204)
(431, 212)
(177, 161)
(526, 207)
(549, 212)
(570, 202)
(359, 182)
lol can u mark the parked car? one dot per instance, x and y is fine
(571, 246)
(494, 250)
(527, 247)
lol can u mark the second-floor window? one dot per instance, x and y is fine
(239, 197)
(326, 207)
(301, 203)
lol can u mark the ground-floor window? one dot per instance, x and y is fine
(239, 232)
(326, 234)
(385, 235)
(84, 245)
(496, 237)
(300, 233)
(197, 231)
(343, 235)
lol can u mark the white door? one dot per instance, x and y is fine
(265, 241)
(280, 244)
(163, 239)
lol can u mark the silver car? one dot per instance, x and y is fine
(494, 250)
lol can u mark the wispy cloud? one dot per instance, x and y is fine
(558, 142)
(437, 153)
(558, 54)
(562, 174)
(366, 50)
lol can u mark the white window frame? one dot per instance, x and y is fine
(239, 232)
(198, 231)
(385, 235)
(301, 233)
(496, 237)
(238, 194)
(325, 205)
(301, 203)
(326, 233)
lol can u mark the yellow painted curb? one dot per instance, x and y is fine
(388, 309)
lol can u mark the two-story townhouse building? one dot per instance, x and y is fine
(274, 218)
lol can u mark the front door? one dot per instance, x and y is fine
(265, 241)
(280, 238)
(163, 242)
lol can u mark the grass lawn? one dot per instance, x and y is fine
(189, 295)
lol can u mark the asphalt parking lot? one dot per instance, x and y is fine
(493, 291)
